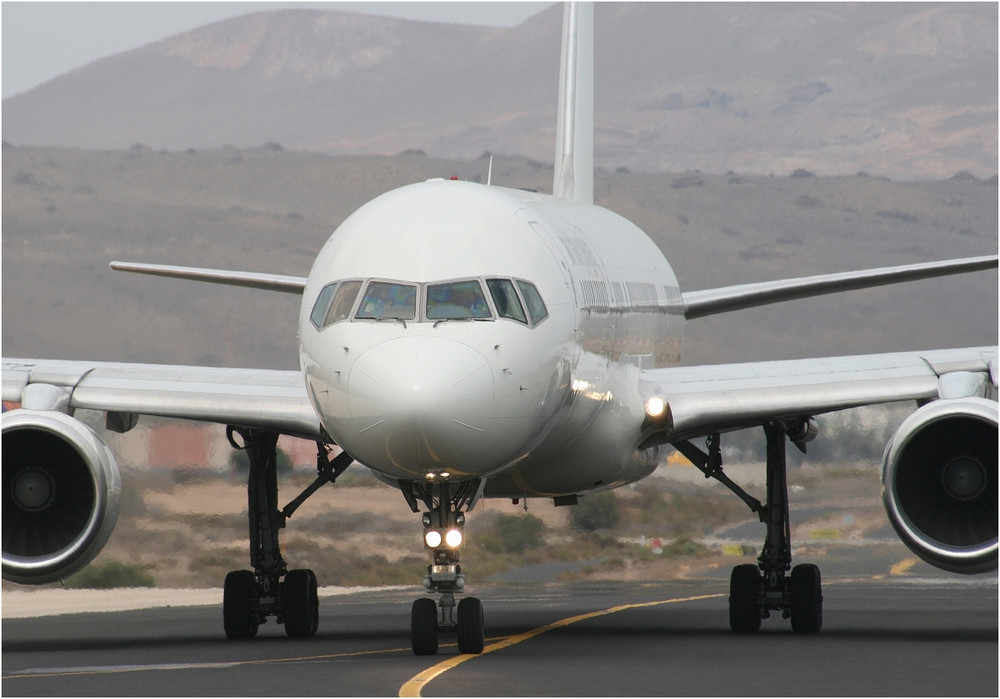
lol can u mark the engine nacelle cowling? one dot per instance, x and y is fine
(939, 484)
(61, 495)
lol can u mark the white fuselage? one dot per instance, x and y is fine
(540, 399)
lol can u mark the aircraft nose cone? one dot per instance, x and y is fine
(422, 404)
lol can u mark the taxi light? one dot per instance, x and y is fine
(658, 416)
(432, 538)
(655, 406)
(453, 538)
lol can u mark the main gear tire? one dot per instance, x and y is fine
(300, 604)
(806, 599)
(744, 591)
(239, 605)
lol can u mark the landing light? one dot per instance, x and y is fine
(453, 538)
(434, 539)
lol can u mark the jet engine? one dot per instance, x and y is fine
(939, 484)
(61, 495)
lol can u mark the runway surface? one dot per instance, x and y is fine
(912, 636)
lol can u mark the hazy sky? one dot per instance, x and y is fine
(44, 39)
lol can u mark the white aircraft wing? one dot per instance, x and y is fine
(253, 280)
(716, 398)
(253, 398)
(698, 304)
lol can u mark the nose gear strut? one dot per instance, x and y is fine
(444, 523)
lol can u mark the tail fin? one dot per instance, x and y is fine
(574, 164)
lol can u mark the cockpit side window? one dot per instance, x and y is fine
(457, 300)
(343, 301)
(536, 307)
(321, 305)
(506, 300)
(388, 300)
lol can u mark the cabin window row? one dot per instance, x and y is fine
(465, 299)
(604, 294)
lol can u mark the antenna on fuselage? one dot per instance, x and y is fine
(574, 162)
(489, 173)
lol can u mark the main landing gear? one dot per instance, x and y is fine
(757, 590)
(250, 597)
(444, 523)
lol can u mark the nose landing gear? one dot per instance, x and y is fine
(428, 619)
(444, 524)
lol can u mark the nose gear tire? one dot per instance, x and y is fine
(471, 638)
(424, 627)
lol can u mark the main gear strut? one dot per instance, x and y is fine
(757, 590)
(270, 589)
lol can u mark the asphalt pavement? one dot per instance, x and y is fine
(882, 636)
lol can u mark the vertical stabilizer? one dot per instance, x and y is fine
(574, 163)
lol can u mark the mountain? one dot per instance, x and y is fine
(907, 91)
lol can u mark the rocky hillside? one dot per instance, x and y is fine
(904, 90)
(67, 212)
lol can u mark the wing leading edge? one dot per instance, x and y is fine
(252, 398)
(706, 399)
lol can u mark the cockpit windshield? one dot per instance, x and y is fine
(456, 301)
(466, 299)
(387, 300)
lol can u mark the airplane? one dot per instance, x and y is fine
(467, 341)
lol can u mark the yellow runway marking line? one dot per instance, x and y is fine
(903, 567)
(415, 685)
